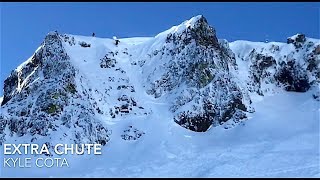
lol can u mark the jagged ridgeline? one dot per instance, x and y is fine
(42, 98)
(72, 86)
(292, 66)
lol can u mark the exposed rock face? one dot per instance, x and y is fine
(199, 31)
(41, 98)
(259, 70)
(293, 76)
(297, 40)
(194, 68)
(205, 80)
(294, 66)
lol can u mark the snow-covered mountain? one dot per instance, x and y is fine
(78, 89)
(293, 65)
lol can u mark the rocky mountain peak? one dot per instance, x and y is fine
(73, 85)
(203, 33)
(195, 29)
(297, 40)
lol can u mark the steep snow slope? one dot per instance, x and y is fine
(258, 148)
(280, 140)
(134, 97)
(85, 83)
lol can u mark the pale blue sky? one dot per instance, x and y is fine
(24, 25)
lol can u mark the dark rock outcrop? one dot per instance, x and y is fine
(293, 76)
(41, 96)
(293, 68)
(297, 41)
(194, 57)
